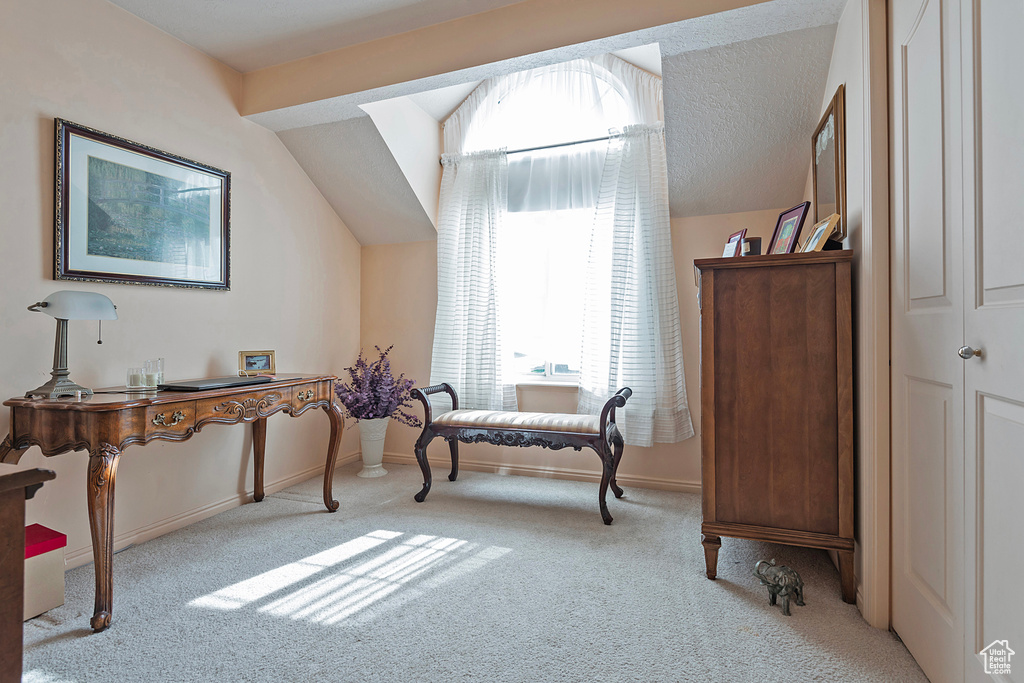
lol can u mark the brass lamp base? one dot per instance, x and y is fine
(60, 384)
(57, 387)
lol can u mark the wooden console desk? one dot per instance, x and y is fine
(104, 424)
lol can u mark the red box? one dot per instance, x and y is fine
(44, 569)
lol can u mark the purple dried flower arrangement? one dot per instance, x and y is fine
(374, 392)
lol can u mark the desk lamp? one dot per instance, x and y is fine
(64, 306)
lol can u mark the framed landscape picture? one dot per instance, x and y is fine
(132, 214)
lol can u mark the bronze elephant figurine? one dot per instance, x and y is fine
(782, 582)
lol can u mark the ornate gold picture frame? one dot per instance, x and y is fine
(252, 363)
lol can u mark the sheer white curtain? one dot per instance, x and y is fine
(468, 352)
(631, 327)
(515, 111)
(630, 318)
(552, 198)
(471, 346)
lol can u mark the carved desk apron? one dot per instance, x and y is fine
(105, 424)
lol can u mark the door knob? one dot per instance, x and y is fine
(967, 353)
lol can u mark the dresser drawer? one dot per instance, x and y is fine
(170, 420)
(242, 407)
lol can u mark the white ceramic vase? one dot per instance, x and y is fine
(371, 440)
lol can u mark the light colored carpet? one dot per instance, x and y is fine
(493, 578)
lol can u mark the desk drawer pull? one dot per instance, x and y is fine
(305, 396)
(177, 417)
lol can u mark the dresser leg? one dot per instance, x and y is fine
(847, 577)
(259, 449)
(711, 545)
(337, 427)
(102, 474)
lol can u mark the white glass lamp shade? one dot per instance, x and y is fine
(68, 305)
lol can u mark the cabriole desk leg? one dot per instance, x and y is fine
(102, 473)
(8, 453)
(337, 427)
(259, 450)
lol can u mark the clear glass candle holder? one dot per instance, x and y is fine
(135, 378)
(153, 372)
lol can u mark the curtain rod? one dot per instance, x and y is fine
(557, 144)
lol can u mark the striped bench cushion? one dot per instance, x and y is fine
(538, 422)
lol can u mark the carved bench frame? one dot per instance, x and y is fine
(608, 443)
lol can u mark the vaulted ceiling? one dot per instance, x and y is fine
(743, 92)
(253, 34)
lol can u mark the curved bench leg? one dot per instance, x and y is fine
(453, 446)
(421, 458)
(618, 445)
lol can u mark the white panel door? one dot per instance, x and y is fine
(993, 96)
(927, 324)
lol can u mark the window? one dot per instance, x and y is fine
(552, 194)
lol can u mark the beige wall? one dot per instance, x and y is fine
(294, 265)
(399, 300)
(859, 62)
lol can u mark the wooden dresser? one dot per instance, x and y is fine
(777, 403)
(16, 486)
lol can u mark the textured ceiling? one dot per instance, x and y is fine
(739, 117)
(441, 102)
(756, 21)
(253, 34)
(372, 196)
(742, 94)
(739, 120)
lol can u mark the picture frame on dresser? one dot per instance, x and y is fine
(734, 246)
(787, 229)
(132, 214)
(820, 234)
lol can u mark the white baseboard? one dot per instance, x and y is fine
(83, 556)
(547, 472)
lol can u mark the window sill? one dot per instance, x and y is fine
(548, 383)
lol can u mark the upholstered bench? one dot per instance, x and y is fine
(508, 428)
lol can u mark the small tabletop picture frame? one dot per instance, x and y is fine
(787, 229)
(820, 234)
(252, 363)
(734, 247)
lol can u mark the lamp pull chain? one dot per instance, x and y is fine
(99, 332)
